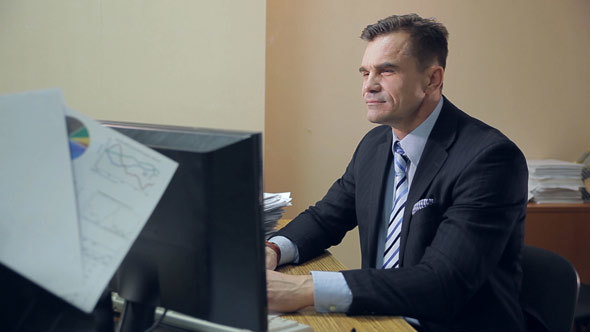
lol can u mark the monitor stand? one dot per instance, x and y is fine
(138, 282)
(136, 317)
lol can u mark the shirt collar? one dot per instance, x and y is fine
(413, 144)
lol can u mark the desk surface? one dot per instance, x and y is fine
(338, 321)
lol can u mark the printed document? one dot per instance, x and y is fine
(118, 184)
(38, 219)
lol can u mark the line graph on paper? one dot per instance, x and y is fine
(107, 213)
(122, 163)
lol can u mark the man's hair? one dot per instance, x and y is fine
(428, 38)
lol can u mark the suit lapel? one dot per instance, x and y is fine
(432, 159)
(382, 161)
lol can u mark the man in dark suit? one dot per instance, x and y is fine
(439, 199)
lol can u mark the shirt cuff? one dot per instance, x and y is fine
(289, 251)
(330, 292)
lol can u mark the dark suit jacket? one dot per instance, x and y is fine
(460, 257)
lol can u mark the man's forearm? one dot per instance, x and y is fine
(287, 293)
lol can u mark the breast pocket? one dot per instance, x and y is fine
(423, 226)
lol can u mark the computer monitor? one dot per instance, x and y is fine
(201, 252)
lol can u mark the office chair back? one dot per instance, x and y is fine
(582, 314)
(549, 288)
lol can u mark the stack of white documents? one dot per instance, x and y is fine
(555, 181)
(273, 210)
(585, 159)
(586, 179)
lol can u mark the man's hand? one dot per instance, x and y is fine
(288, 293)
(271, 258)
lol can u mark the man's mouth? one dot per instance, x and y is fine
(374, 101)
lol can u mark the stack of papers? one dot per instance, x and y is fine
(555, 181)
(72, 198)
(585, 159)
(273, 210)
(586, 179)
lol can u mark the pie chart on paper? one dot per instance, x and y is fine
(78, 137)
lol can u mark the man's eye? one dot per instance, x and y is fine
(364, 73)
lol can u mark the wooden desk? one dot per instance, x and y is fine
(564, 229)
(337, 321)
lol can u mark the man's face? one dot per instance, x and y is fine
(393, 87)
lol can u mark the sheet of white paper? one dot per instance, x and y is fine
(118, 184)
(38, 220)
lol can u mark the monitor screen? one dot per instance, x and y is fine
(201, 253)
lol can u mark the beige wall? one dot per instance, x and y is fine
(184, 62)
(520, 66)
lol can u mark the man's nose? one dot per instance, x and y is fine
(371, 84)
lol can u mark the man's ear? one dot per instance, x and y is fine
(434, 78)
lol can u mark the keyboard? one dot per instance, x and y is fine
(178, 320)
(278, 324)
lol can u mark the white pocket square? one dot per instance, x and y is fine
(422, 204)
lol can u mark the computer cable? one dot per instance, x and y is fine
(157, 323)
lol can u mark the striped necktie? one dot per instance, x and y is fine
(394, 228)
